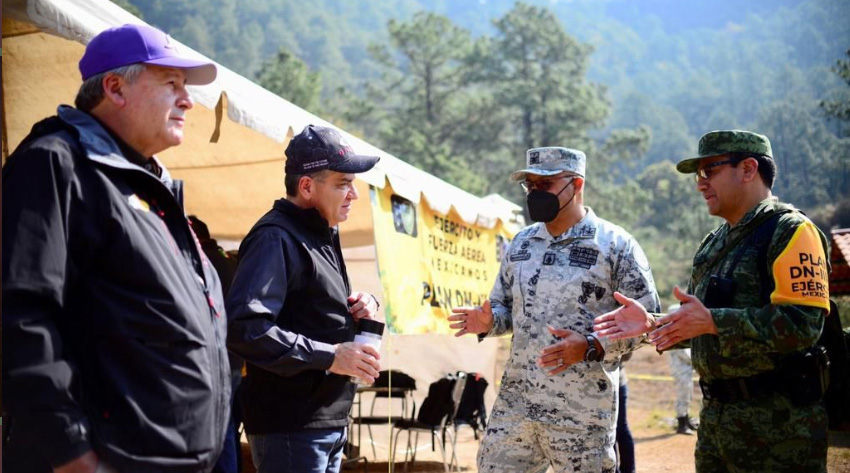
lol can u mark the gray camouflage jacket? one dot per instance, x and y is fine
(565, 282)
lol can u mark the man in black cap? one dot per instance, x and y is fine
(114, 355)
(292, 312)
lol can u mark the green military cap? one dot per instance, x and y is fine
(717, 143)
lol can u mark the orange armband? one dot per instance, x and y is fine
(800, 272)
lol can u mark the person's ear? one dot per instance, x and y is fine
(113, 85)
(578, 184)
(751, 168)
(305, 187)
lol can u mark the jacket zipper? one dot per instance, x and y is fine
(217, 379)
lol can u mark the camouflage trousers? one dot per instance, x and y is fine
(682, 371)
(514, 444)
(764, 435)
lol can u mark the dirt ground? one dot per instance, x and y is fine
(651, 417)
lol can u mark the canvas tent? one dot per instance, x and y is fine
(232, 158)
(43, 41)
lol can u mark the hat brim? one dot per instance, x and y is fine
(197, 72)
(691, 165)
(688, 166)
(354, 164)
(521, 174)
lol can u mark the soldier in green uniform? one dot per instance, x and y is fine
(753, 310)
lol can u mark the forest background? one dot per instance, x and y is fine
(462, 88)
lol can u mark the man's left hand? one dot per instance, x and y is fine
(561, 355)
(361, 305)
(627, 321)
(691, 319)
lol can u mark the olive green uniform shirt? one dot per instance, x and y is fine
(752, 335)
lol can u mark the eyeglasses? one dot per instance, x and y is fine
(541, 185)
(706, 171)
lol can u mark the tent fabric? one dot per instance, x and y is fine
(262, 112)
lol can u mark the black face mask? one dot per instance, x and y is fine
(543, 205)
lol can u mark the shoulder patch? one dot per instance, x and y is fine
(800, 271)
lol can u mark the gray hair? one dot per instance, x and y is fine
(91, 92)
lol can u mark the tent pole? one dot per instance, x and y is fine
(3, 111)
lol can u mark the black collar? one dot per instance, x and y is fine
(310, 218)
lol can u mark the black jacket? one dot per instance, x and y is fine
(287, 308)
(225, 267)
(114, 325)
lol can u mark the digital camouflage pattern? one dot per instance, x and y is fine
(551, 161)
(717, 143)
(682, 371)
(767, 434)
(764, 435)
(750, 334)
(590, 449)
(564, 282)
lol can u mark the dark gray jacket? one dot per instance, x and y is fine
(114, 325)
(288, 306)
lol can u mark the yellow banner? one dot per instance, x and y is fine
(429, 263)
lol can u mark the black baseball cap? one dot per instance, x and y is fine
(318, 148)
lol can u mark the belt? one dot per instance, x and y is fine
(741, 389)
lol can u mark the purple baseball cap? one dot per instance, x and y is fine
(134, 44)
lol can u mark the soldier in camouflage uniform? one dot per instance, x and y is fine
(557, 405)
(755, 304)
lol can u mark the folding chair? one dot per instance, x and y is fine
(399, 386)
(472, 411)
(436, 416)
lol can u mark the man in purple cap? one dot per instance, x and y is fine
(292, 313)
(114, 319)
